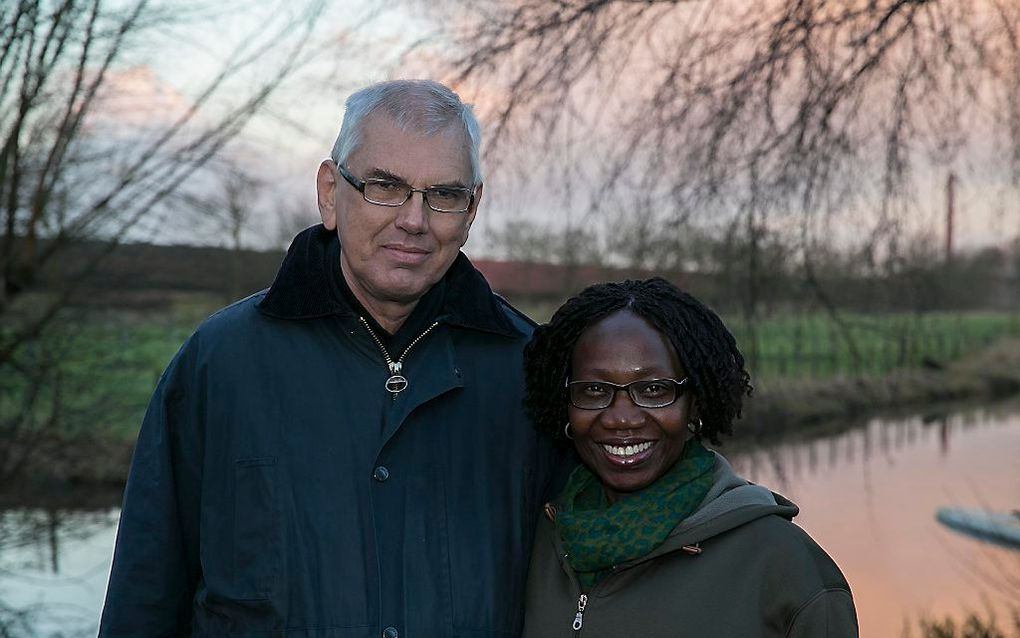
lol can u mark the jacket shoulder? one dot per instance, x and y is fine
(229, 328)
(238, 316)
(516, 316)
(235, 314)
(794, 554)
(825, 606)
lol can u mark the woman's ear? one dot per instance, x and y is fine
(693, 420)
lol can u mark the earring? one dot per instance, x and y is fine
(695, 427)
(566, 431)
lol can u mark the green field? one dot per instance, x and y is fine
(98, 374)
(815, 346)
(107, 365)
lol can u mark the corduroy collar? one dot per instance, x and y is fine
(305, 287)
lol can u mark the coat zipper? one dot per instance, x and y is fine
(397, 382)
(582, 602)
(582, 599)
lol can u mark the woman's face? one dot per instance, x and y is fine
(620, 349)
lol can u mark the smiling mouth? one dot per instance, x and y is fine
(408, 256)
(627, 451)
(408, 249)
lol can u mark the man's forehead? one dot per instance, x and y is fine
(387, 147)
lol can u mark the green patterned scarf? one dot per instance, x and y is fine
(598, 536)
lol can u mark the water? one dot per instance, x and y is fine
(54, 564)
(867, 494)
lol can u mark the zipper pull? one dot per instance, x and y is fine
(397, 382)
(582, 602)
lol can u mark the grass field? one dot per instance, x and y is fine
(100, 371)
(815, 346)
(109, 363)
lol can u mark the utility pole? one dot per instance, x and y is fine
(950, 212)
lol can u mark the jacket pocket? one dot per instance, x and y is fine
(255, 524)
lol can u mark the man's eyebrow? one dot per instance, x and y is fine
(381, 173)
(454, 184)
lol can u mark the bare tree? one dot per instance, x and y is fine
(765, 104)
(229, 211)
(78, 163)
(291, 217)
(792, 113)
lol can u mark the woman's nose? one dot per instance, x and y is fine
(622, 413)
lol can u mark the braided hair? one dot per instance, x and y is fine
(707, 351)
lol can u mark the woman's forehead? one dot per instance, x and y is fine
(624, 342)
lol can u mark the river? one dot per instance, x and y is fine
(868, 494)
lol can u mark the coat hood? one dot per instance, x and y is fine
(730, 503)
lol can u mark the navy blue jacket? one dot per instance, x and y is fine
(277, 488)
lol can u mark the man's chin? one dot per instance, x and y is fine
(405, 289)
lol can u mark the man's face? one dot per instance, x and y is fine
(395, 254)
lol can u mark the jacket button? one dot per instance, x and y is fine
(390, 632)
(381, 474)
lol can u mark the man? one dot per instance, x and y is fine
(345, 454)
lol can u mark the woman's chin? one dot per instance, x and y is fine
(624, 479)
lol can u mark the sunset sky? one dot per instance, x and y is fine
(355, 43)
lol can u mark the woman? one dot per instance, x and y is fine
(654, 535)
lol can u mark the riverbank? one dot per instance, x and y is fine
(797, 405)
(777, 408)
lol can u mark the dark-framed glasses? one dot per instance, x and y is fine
(598, 395)
(388, 192)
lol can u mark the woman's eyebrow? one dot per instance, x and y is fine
(656, 371)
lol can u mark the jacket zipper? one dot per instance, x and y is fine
(582, 602)
(582, 599)
(397, 382)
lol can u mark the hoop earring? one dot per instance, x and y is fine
(566, 431)
(695, 427)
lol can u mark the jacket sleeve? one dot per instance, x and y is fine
(829, 614)
(156, 560)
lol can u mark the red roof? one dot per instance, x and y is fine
(517, 278)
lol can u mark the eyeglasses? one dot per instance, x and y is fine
(388, 192)
(598, 395)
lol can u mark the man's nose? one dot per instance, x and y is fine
(413, 215)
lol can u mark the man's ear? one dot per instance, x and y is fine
(325, 188)
(471, 213)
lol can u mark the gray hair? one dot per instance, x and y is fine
(420, 106)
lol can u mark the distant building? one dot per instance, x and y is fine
(551, 282)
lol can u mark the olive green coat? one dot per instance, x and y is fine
(736, 568)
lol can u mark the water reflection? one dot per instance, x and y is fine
(796, 457)
(54, 563)
(869, 496)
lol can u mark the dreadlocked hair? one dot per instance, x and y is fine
(707, 351)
